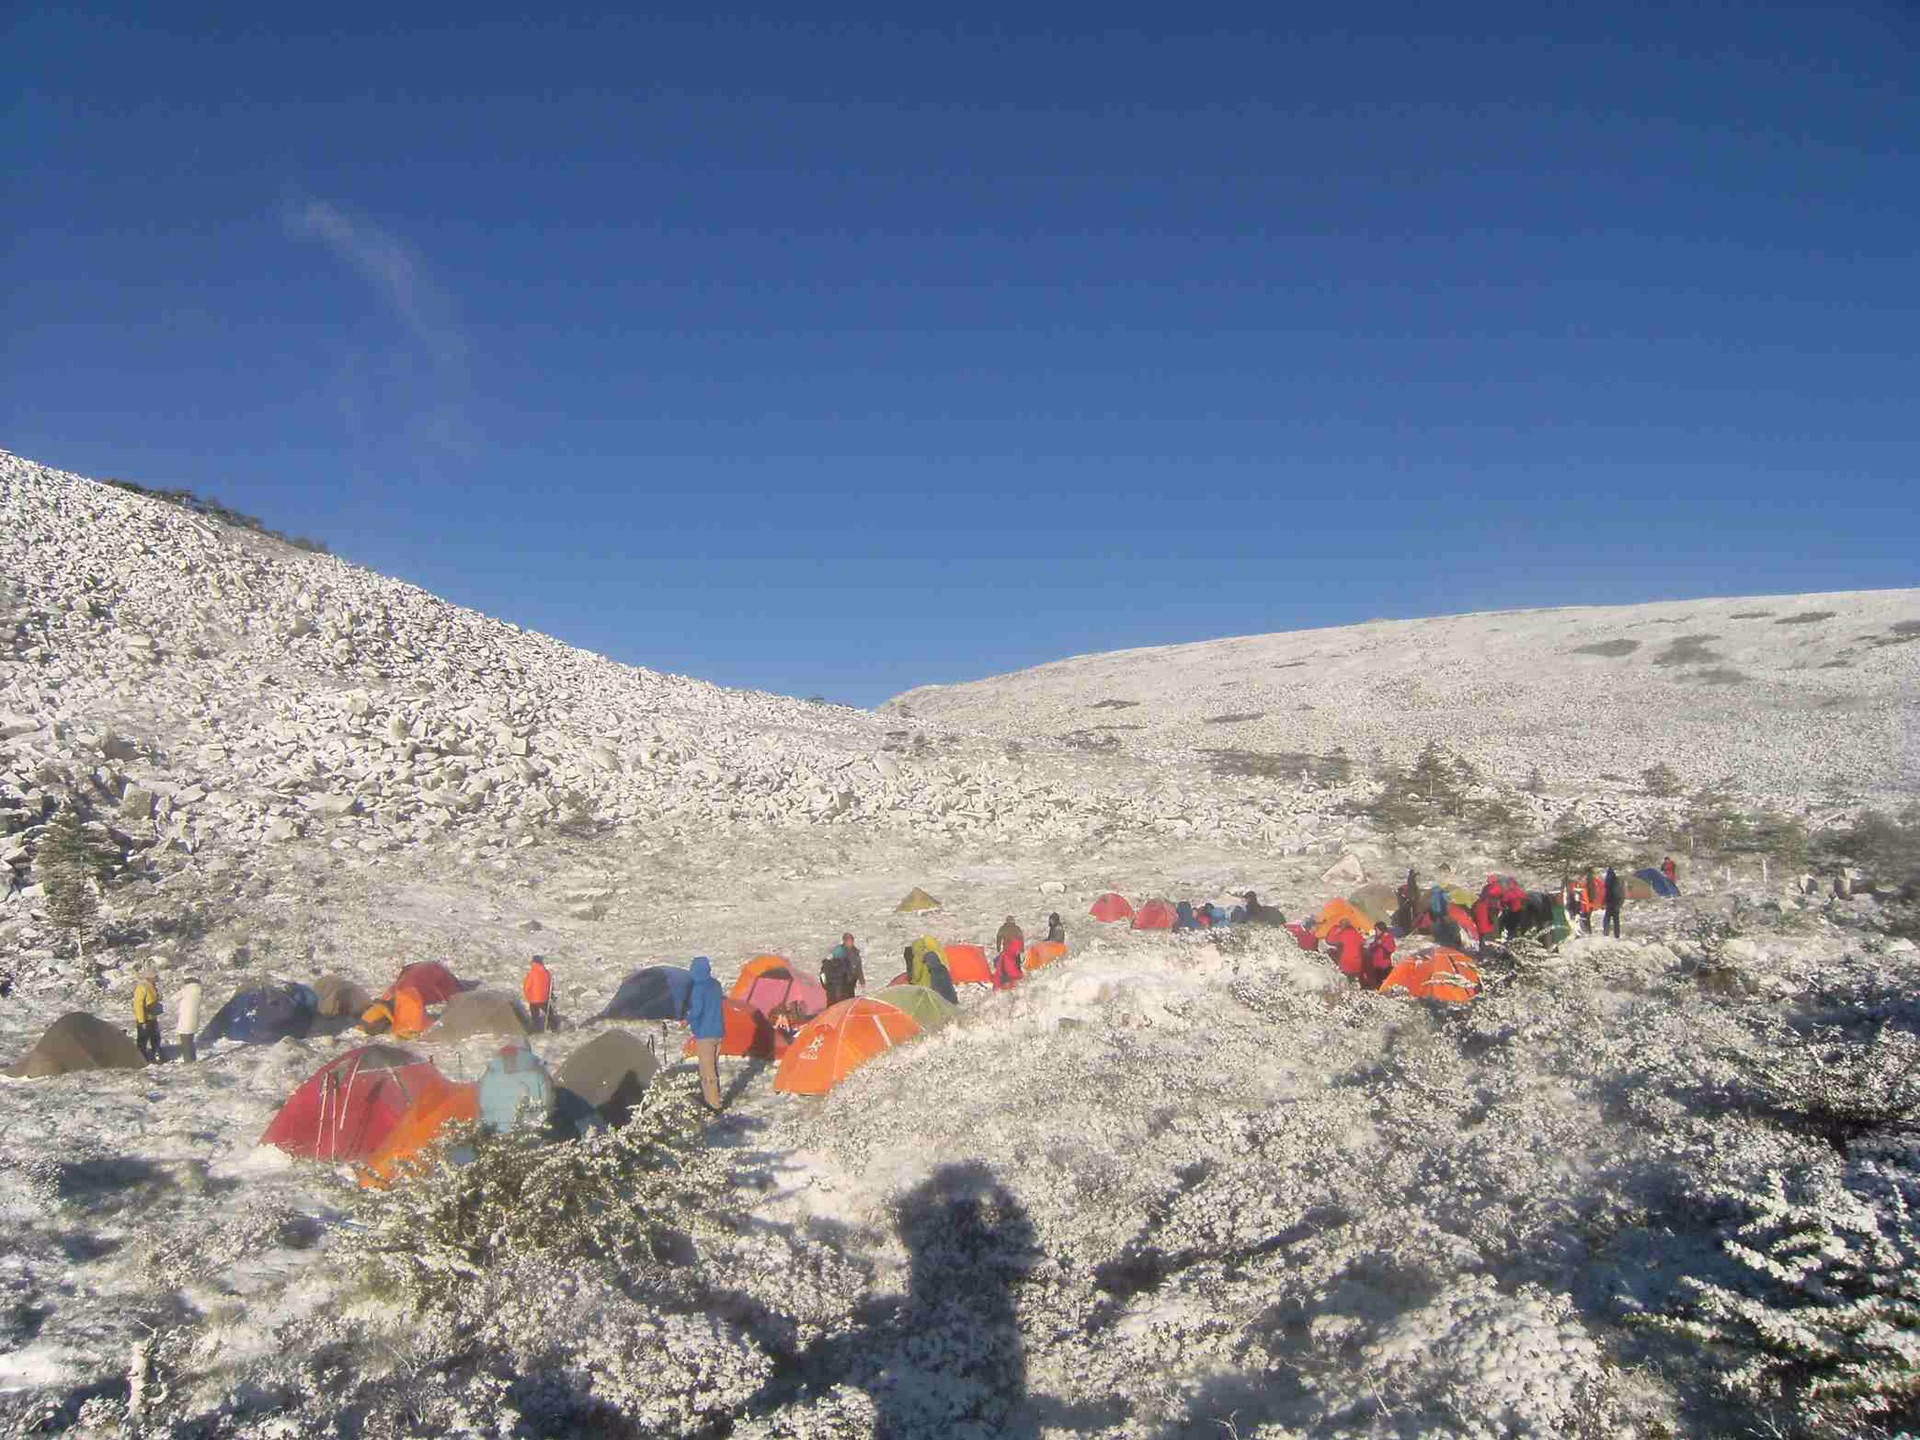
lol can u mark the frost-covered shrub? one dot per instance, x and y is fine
(624, 1196)
(1841, 1089)
(1825, 1317)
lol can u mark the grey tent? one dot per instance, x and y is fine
(78, 1041)
(605, 1077)
(340, 996)
(480, 1012)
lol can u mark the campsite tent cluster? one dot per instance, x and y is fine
(380, 1105)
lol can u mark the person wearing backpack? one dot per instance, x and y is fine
(939, 978)
(842, 975)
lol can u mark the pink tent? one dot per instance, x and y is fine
(769, 992)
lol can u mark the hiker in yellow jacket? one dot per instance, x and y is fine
(146, 1017)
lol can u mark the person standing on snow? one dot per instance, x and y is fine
(1007, 970)
(1377, 961)
(186, 1019)
(939, 979)
(1056, 929)
(842, 976)
(707, 1019)
(1670, 870)
(1616, 896)
(146, 1017)
(537, 989)
(1009, 930)
(1348, 950)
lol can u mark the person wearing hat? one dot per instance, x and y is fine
(146, 1017)
(1056, 929)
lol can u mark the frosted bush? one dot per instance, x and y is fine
(1823, 1316)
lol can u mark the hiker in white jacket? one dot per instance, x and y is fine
(186, 1017)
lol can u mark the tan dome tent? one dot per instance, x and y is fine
(78, 1041)
(1376, 901)
(479, 1012)
(340, 996)
(917, 899)
(606, 1077)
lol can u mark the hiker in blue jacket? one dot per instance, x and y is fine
(707, 1018)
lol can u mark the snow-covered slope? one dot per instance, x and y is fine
(1785, 692)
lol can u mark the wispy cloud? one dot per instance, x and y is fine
(420, 381)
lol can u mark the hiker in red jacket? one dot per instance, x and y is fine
(1007, 969)
(1670, 870)
(1486, 910)
(1378, 958)
(1348, 949)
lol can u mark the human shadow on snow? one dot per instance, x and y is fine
(948, 1357)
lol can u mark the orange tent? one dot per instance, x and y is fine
(1337, 910)
(1044, 952)
(834, 1045)
(434, 1107)
(1154, 915)
(748, 1032)
(968, 964)
(1112, 906)
(1435, 975)
(754, 969)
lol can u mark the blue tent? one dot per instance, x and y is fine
(1658, 880)
(516, 1091)
(264, 1015)
(657, 993)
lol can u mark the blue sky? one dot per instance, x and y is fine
(840, 356)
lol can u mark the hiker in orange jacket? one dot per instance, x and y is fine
(537, 989)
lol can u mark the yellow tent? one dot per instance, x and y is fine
(917, 899)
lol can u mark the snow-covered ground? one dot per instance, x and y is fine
(1175, 1185)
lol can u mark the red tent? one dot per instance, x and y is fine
(1154, 915)
(346, 1109)
(1112, 906)
(432, 982)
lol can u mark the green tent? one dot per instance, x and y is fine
(929, 1009)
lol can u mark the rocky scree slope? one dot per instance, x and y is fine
(210, 683)
(1790, 694)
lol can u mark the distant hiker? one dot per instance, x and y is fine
(537, 989)
(1405, 913)
(939, 978)
(1302, 936)
(916, 958)
(1348, 950)
(1596, 894)
(1056, 929)
(1007, 969)
(1670, 870)
(186, 1019)
(1261, 914)
(707, 1019)
(146, 1016)
(1485, 912)
(1576, 901)
(1616, 896)
(1009, 930)
(1183, 918)
(1447, 931)
(842, 975)
(1438, 903)
(1377, 962)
